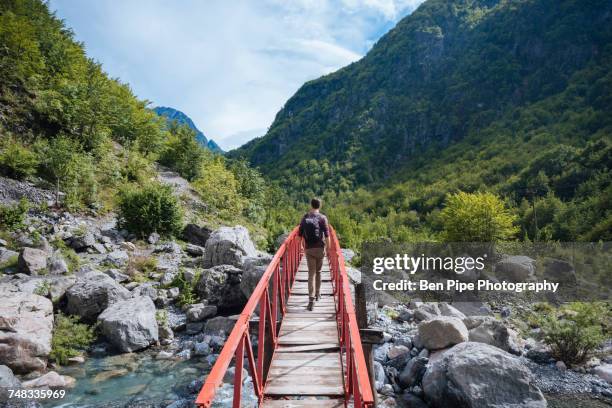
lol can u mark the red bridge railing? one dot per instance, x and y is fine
(270, 297)
(356, 379)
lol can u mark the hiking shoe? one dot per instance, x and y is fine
(310, 305)
(318, 297)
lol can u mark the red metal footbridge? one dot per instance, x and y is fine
(295, 357)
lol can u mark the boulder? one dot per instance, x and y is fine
(252, 272)
(604, 371)
(471, 322)
(31, 261)
(57, 265)
(426, 311)
(450, 311)
(201, 349)
(168, 277)
(26, 326)
(229, 246)
(117, 275)
(412, 401)
(478, 375)
(397, 351)
(219, 324)
(515, 268)
(200, 311)
(379, 375)
(220, 285)
(170, 247)
(54, 287)
(7, 381)
(166, 335)
(495, 333)
(153, 238)
(194, 250)
(196, 235)
(558, 270)
(148, 289)
(98, 248)
(130, 325)
(117, 258)
(442, 332)
(473, 308)
(50, 380)
(82, 241)
(92, 293)
(413, 372)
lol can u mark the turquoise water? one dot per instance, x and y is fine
(130, 379)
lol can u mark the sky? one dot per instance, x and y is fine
(229, 65)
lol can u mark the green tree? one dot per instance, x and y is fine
(477, 217)
(71, 170)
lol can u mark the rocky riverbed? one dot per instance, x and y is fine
(435, 355)
(160, 307)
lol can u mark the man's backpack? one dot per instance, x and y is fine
(312, 229)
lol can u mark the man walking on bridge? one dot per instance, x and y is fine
(315, 234)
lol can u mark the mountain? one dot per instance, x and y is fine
(173, 114)
(460, 95)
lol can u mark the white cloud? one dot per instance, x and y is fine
(230, 66)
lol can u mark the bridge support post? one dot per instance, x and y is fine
(361, 312)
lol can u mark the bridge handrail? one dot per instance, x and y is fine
(270, 305)
(357, 381)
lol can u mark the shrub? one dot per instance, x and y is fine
(148, 209)
(43, 288)
(187, 289)
(70, 338)
(478, 217)
(12, 217)
(162, 317)
(16, 160)
(574, 331)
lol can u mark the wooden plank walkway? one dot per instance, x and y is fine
(306, 369)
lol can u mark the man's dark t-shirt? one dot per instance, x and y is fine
(323, 231)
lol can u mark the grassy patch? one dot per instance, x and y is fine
(140, 267)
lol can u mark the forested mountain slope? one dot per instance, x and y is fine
(508, 96)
